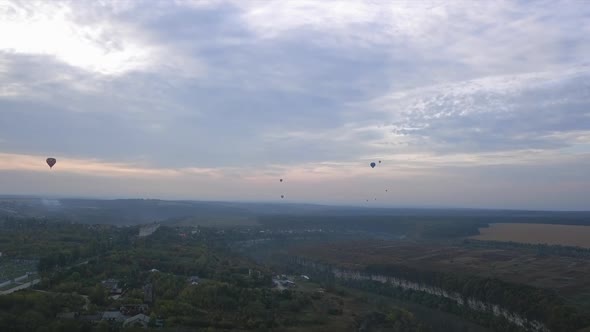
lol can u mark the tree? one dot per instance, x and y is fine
(98, 295)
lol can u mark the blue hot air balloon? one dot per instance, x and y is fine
(373, 165)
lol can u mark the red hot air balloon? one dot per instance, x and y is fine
(51, 162)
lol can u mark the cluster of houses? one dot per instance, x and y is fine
(129, 315)
(116, 291)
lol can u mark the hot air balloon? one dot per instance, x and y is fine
(385, 190)
(373, 165)
(281, 180)
(282, 196)
(51, 162)
(380, 161)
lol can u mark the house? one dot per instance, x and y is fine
(139, 320)
(113, 316)
(194, 280)
(112, 286)
(91, 318)
(21, 278)
(134, 309)
(110, 283)
(304, 277)
(154, 270)
(148, 293)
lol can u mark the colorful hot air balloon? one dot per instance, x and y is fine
(373, 165)
(51, 162)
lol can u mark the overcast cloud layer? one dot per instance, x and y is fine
(467, 104)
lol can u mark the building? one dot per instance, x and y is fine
(5, 282)
(113, 316)
(112, 286)
(91, 318)
(134, 309)
(148, 293)
(194, 280)
(139, 320)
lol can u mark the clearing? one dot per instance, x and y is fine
(566, 235)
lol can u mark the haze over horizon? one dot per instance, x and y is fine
(467, 104)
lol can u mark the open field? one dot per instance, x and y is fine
(566, 235)
(216, 222)
(567, 275)
(356, 303)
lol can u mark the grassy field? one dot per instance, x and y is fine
(355, 303)
(566, 275)
(566, 235)
(217, 222)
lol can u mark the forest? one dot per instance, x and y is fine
(196, 280)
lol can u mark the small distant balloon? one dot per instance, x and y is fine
(385, 190)
(51, 162)
(282, 196)
(281, 180)
(373, 165)
(380, 161)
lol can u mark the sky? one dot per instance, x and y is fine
(466, 103)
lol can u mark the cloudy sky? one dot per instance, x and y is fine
(466, 103)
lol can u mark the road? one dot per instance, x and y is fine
(21, 286)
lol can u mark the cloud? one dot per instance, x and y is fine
(509, 112)
(36, 163)
(52, 29)
(241, 92)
